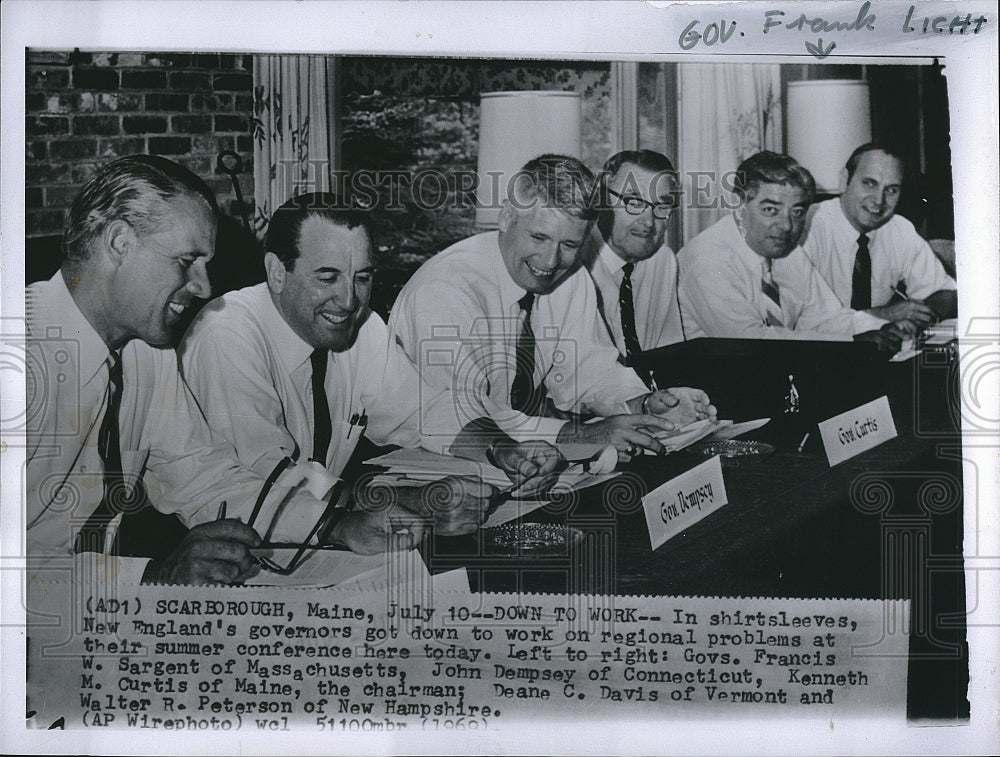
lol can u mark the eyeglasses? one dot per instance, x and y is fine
(338, 500)
(635, 205)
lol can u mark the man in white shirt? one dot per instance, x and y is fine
(300, 367)
(114, 424)
(634, 271)
(506, 317)
(867, 253)
(746, 277)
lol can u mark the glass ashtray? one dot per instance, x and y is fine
(732, 451)
(530, 539)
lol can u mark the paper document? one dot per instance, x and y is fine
(732, 430)
(941, 333)
(416, 467)
(707, 430)
(903, 355)
(335, 567)
(689, 434)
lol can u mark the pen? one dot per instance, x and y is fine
(802, 444)
(222, 511)
(358, 419)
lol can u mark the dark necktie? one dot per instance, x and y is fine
(772, 298)
(522, 388)
(861, 282)
(322, 429)
(92, 536)
(626, 307)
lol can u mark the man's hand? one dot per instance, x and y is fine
(375, 529)
(454, 505)
(627, 432)
(212, 553)
(911, 310)
(909, 329)
(888, 339)
(680, 405)
(532, 466)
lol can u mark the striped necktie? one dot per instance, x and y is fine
(626, 306)
(772, 299)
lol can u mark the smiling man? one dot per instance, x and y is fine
(115, 428)
(300, 367)
(745, 276)
(508, 321)
(634, 271)
(866, 253)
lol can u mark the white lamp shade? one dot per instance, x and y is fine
(515, 127)
(827, 120)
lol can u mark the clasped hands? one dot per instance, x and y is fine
(658, 412)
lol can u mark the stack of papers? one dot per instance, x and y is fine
(416, 467)
(941, 333)
(706, 430)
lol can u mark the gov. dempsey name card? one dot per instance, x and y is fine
(683, 501)
(857, 430)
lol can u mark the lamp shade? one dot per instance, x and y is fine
(827, 120)
(515, 127)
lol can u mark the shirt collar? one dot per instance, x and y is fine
(292, 351)
(845, 227)
(744, 252)
(62, 311)
(611, 260)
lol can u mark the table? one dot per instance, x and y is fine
(886, 524)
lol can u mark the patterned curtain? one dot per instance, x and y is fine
(295, 146)
(727, 113)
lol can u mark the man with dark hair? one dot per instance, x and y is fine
(745, 276)
(634, 270)
(867, 254)
(506, 317)
(299, 367)
(115, 424)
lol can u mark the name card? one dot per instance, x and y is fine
(857, 430)
(683, 501)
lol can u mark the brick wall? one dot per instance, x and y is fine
(86, 108)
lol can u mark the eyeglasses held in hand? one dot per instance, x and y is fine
(336, 505)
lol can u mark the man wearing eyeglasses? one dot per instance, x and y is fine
(634, 270)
